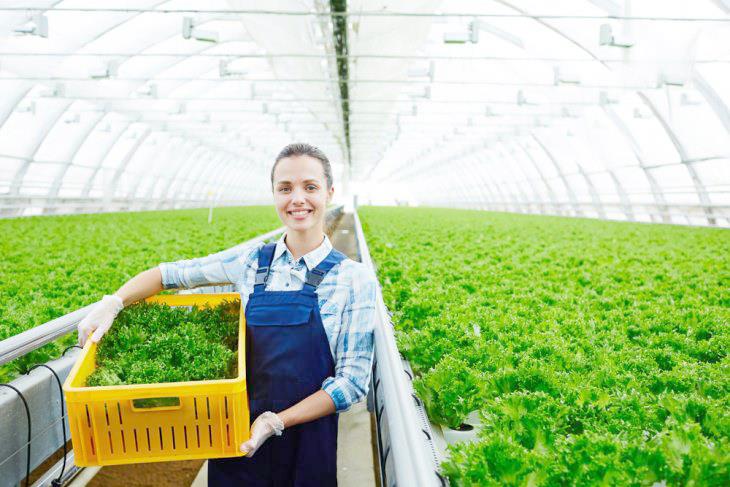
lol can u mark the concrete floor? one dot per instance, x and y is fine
(354, 452)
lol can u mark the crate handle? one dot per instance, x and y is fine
(148, 404)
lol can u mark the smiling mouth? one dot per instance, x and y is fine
(299, 212)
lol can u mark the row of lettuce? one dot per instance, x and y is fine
(56, 264)
(595, 352)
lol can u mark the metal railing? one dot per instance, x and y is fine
(407, 454)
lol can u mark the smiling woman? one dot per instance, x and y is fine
(302, 182)
(302, 366)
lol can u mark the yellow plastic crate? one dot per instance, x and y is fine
(202, 419)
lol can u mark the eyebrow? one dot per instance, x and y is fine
(305, 181)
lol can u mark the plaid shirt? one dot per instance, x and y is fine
(346, 302)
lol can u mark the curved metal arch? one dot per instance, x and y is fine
(504, 201)
(136, 178)
(511, 152)
(184, 166)
(216, 182)
(57, 181)
(482, 184)
(713, 99)
(493, 190)
(556, 30)
(551, 194)
(519, 198)
(623, 196)
(468, 172)
(100, 160)
(685, 159)
(201, 154)
(200, 179)
(571, 195)
(56, 186)
(21, 94)
(23, 169)
(468, 192)
(226, 175)
(111, 192)
(168, 144)
(656, 190)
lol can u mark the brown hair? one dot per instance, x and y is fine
(302, 149)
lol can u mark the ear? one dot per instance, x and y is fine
(330, 193)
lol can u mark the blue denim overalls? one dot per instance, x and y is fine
(287, 359)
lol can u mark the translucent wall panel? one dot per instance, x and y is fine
(74, 181)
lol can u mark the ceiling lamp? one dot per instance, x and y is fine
(189, 31)
(148, 91)
(472, 34)
(607, 38)
(225, 71)
(37, 25)
(105, 72)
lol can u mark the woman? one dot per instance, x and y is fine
(309, 329)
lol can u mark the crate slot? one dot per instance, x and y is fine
(124, 444)
(228, 435)
(119, 410)
(111, 443)
(225, 403)
(149, 443)
(195, 407)
(172, 428)
(210, 435)
(136, 444)
(185, 430)
(207, 405)
(93, 450)
(106, 414)
(162, 446)
(88, 416)
(197, 433)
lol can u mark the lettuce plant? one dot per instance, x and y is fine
(595, 351)
(152, 343)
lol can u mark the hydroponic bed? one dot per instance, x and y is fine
(53, 265)
(594, 351)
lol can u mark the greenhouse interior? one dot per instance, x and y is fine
(365, 243)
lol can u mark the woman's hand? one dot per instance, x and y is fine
(100, 319)
(266, 425)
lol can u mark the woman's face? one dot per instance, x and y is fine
(301, 193)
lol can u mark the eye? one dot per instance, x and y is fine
(311, 187)
(284, 189)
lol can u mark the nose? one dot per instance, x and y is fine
(297, 195)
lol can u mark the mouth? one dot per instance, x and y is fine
(299, 214)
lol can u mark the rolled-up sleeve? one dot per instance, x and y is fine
(354, 349)
(224, 267)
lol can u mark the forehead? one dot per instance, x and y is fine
(298, 168)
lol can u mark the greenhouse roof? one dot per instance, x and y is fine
(605, 108)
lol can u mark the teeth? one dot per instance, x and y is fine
(300, 212)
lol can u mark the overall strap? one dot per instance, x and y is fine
(266, 255)
(316, 275)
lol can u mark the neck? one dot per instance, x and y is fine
(301, 243)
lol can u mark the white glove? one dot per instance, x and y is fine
(100, 318)
(266, 425)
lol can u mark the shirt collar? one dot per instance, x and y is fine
(311, 259)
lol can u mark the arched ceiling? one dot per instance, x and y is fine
(606, 108)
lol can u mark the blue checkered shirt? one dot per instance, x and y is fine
(346, 303)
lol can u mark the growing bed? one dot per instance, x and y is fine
(592, 351)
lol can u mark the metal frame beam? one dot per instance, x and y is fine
(684, 157)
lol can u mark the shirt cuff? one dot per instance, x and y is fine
(340, 390)
(168, 276)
